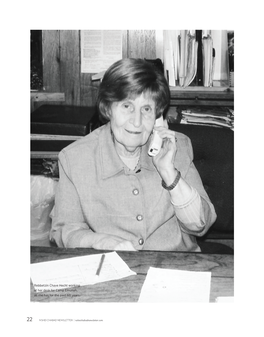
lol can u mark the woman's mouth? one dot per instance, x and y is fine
(133, 132)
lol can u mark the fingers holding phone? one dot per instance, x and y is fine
(164, 157)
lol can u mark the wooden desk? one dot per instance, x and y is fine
(128, 289)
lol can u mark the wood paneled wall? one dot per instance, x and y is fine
(141, 44)
(62, 62)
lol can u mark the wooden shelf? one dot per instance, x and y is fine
(213, 96)
(53, 155)
(43, 96)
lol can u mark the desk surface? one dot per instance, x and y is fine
(128, 289)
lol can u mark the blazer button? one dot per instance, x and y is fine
(139, 217)
(141, 241)
(135, 191)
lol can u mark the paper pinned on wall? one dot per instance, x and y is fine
(77, 271)
(167, 285)
(100, 49)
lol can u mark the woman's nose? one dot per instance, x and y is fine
(137, 119)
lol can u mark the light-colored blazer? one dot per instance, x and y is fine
(97, 193)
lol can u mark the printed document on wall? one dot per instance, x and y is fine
(100, 49)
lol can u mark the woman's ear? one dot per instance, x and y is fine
(108, 113)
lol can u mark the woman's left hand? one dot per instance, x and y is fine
(164, 161)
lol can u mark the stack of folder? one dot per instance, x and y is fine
(212, 116)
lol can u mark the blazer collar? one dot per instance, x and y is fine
(110, 160)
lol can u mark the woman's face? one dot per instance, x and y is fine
(132, 121)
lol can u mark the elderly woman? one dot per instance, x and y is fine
(111, 194)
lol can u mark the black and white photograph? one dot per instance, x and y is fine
(131, 154)
(132, 197)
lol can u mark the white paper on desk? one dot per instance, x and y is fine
(224, 299)
(77, 271)
(167, 285)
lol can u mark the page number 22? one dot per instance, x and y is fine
(29, 319)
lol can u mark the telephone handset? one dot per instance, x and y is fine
(156, 141)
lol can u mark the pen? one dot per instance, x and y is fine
(100, 265)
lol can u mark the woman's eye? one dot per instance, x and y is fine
(146, 110)
(127, 106)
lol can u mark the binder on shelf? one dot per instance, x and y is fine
(231, 57)
(176, 53)
(183, 53)
(187, 57)
(169, 70)
(220, 44)
(191, 68)
(199, 72)
(207, 45)
(171, 56)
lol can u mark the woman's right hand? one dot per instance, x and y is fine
(108, 242)
(125, 245)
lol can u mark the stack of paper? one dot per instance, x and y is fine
(213, 116)
(167, 285)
